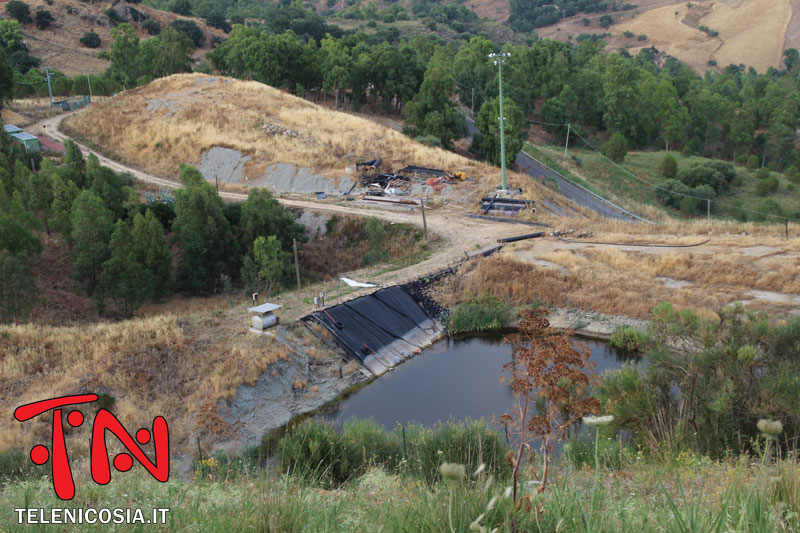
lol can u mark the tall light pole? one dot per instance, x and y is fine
(49, 89)
(499, 59)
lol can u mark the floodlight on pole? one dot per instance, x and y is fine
(499, 59)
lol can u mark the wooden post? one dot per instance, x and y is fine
(296, 263)
(787, 227)
(709, 211)
(424, 222)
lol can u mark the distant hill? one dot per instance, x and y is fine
(59, 45)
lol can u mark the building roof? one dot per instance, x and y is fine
(264, 308)
(51, 145)
(24, 136)
(10, 128)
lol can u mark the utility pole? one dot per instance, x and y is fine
(424, 222)
(569, 125)
(296, 263)
(500, 58)
(709, 211)
(49, 88)
(89, 81)
(473, 102)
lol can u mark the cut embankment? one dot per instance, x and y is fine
(381, 329)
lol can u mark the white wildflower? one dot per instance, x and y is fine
(596, 421)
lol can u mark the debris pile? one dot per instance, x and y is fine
(275, 129)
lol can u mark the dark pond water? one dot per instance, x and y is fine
(453, 379)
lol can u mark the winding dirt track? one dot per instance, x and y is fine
(462, 234)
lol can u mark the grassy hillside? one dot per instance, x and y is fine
(595, 172)
(59, 45)
(195, 113)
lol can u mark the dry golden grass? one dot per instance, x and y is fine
(202, 112)
(750, 32)
(59, 45)
(151, 366)
(629, 281)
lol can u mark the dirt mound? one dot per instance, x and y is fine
(248, 133)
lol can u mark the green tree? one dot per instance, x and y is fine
(487, 143)
(11, 38)
(151, 250)
(18, 291)
(64, 194)
(268, 265)
(191, 30)
(111, 187)
(74, 168)
(169, 53)
(40, 190)
(181, 7)
(336, 64)
(124, 279)
(6, 81)
(431, 112)
(16, 238)
(92, 225)
(263, 215)
(43, 19)
(123, 52)
(202, 232)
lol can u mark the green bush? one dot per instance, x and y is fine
(429, 140)
(153, 27)
(480, 313)
(767, 185)
(15, 465)
(615, 148)
(191, 30)
(90, 40)
(688, 207)
(668, 167)
(315, 450)
(704, 385)
(579, 451)
(628, 339)
(43, 19)
(20, 11)
(469, 443)
(752, 162)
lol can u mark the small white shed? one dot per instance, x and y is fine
(263, 317)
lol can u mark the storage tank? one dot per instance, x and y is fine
(267, 320)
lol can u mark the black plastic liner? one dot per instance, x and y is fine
(380, 329)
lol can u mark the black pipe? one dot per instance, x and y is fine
(507, 200)
(510, 220)
(522, 237)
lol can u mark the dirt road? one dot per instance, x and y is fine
(460, 233)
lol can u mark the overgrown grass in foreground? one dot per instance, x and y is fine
(685, 493)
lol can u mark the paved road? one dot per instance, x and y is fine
(576, 193)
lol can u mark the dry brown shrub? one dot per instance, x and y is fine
(514, 281)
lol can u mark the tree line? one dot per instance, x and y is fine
(123, 251)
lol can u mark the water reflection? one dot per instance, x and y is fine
(453, 379)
